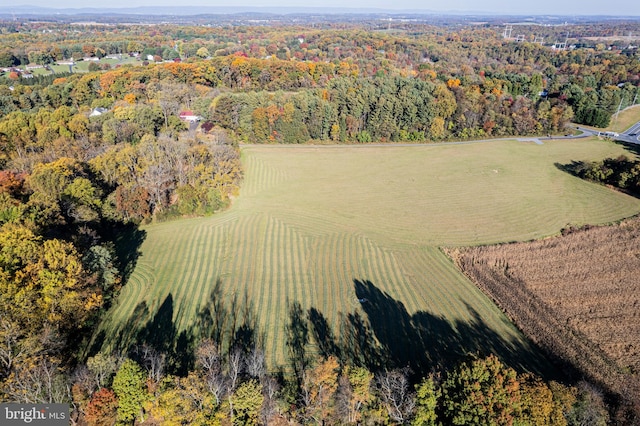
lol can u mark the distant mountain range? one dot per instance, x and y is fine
(200, 10)
(38, 11)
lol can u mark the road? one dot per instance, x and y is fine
(631, 135)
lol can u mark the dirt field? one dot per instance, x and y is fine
(578, 295)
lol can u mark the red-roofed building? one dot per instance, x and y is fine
(189, 116)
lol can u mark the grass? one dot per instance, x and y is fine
(83, 66)
(326, 226)
(626, 118)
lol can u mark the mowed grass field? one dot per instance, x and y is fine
(625, 119)
(312, 224)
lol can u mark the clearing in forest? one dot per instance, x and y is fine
(350, 236)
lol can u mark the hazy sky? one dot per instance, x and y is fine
(544, 7)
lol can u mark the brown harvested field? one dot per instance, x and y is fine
(577, 295)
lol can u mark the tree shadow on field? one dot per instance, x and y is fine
(572, 168)
(424, 341)
(323, 334)
(633, 148)
(127, 241)
(297, 339)
(356, 344)
(161, 334)
(119, 339)
(245, 336)
(231, 324)
(213, 317)
(359, 344)
(158, 332)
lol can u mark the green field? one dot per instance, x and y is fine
(83, 66)
(625, 119)
(326, 226)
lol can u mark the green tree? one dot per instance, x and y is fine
(203, 53)
(7, 59)
(247, 401)
(426, 402)
(481, 392)
(129, 387)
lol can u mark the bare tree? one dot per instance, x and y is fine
(10, 344)
(176, 156)
(155, 174)
(207, 355)
(217, 384)
(209, 360)
(153, 361)
(234, 370)
(270, 390)
(255, 362)
(167, 100)
(102, 368)
(393, 388)
(40, 382)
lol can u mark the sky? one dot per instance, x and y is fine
(541, 7)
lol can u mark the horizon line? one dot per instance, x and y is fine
(326, 9)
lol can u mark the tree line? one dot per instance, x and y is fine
(236, 388)
(621, 172)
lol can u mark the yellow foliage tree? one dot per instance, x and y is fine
(45, 275)
(319, 386)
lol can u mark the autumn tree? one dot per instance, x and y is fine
(46, 274)
(129, 387)
(354, 393)
(102, 409)
(318, 388)
(481, 392)
(539, 405)
(427, 398)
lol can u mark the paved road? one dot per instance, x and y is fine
(631, 135)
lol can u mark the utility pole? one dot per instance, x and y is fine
(617, 112)
(507, 31)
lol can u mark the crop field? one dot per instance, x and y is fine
(577, 295)
(353, 234)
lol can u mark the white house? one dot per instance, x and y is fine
(189, 116)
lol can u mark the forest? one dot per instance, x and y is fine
(88, 156)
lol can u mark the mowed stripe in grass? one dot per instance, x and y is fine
(263, 175)
(315, 226)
